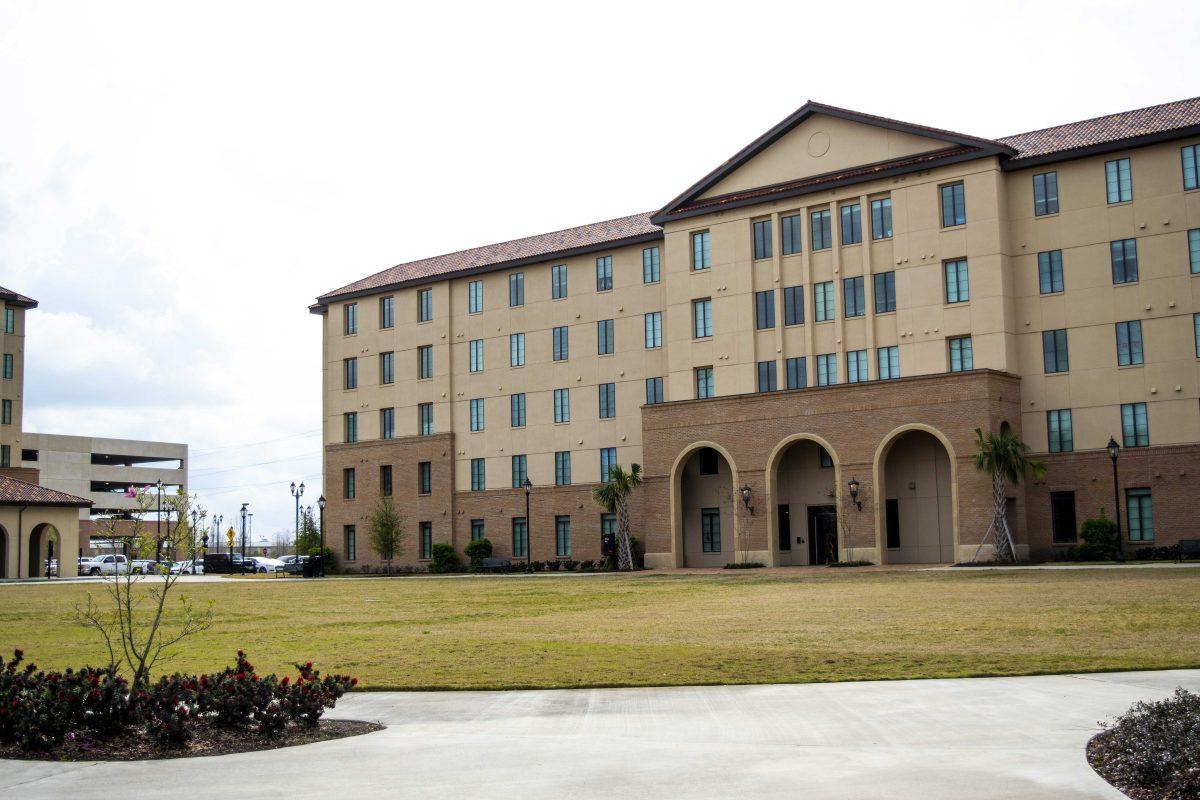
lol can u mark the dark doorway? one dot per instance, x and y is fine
(785, 527)
(822, 534)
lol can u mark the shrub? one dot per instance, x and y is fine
(445, 559)
(746, 565)
(330, 560)
(1157, 553)
(1099, 536)
(477, 551)
(858, 563)
(311, 694)
(168, 709)
(1153, 750)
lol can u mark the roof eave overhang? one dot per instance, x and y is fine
(1101, 148)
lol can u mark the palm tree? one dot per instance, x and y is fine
(1006, 458)
(613, 496)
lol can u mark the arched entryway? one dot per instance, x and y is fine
(39, 540)
(802, 481)
(916, 514)
(703, 513)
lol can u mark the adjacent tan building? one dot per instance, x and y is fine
(848, 297)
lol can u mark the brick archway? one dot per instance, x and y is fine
(880, 475)
(676, 491)
(771, 478)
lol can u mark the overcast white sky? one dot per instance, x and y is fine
(178, 181)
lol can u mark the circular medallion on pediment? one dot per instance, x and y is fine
(818, 144)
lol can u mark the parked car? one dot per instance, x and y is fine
(105, 565)
(188, 567)
(264, 564)
(227, 563)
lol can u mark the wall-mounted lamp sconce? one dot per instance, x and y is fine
(854, 493)
(745, 491)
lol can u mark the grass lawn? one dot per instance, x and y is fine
(660, 629)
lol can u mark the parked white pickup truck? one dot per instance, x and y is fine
(105, 565)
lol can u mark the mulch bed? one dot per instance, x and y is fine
(208, 740)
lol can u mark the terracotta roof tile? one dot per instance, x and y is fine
(16, 299)
(22, 493)
(1110, 128)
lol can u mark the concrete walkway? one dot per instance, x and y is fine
(928, 740)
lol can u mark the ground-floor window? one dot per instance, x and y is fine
(426, 539)
(1062, 517)
(520, 537)
(562, 536)
(477, 530)
(710, 529)
(351, 544)
(1141, 515)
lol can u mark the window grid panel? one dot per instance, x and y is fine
(387, 367)
(562, 468)
(958, 284)
(1190, 156)
(1059, 431)
(1118, 179)
(701, 250)
(516, 289)
(654, 391)
(763, 247)
(1129, 343)
(767, 381)
(1135, 425)
(793, 305)
(1194, 250)
(1045, 194)
(653, 324)
(558, 281)
(954, 205)
(477, 418)
(475, 297)
(516, 350)
(608, 400)
(478, 475)
(961, 357)
(1050, 272)
(704, 383)
(702, 326)
(821, 234)
(856, 366)
(889, 362)
(608, 460)
(519, 471)
(516, 408)
(387, 423)
(710, 530)
(562, 405)
(827, 369)
(1139, 505)
(764, 309)
(424, 305)
(1054, 351)
(854, 296)
(791, 228)
(797, 373)
(851, 224)
(387, 312)
(651, 267)
(561, 344)
(604, 274)
(823, 299)
(1124, 261)
(885, 292)
(562, 536)
(881, 218)
(604, 337)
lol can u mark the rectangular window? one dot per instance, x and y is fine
(477, 355)
(387, 423)
(1190, 156)
(1196, 325)
(651, 270)
(608, 526)
(608, 400)
(954, 205)
(1141, 515)
(478, 530)
(797, 373)
(5, 454)
(516, 409)
(1045, 194)
(348, 483)
(1124, 261)
(387, 368)
(701, 250)
(710, 530)
(702, 326)
(558, 281)
(385, 480)
(477, 414)
(1135, 426)
(426, 529)
(1054, 351)
(425, 418)
(1118, 180)
(851, 223)
(8, 366)
(387, 312)
(762, 239)
(961, 357)
(824, 460)
(424, 305)
(478, 474)
(654, 386)
(350, 373)
(885, 292)
(608, 460)
(349, 420)
(1129, 343)
(1050, 272)
(520, 537)
(425, 361)
(854, 296)
(704, 383)
(604, 280)
(516, 289)
(822, 234)
(562, 405)
(1062, 518)
(1194, 250)
(424, 477)
(881, 218)
(10, 320)
(827, 369)
(516, 349)
(793, 305)
(653, 322)
(958, 285)
(856, 366)
(474, 297)
(562, 468)
(767, 380)
(519, 472)
(823, 298)
(605, 337)
(561, 345)
(764, 309)
(1059, 431)
(888, 359)
(792, 226)
(349, 319)
(348, 534)
(562, 536)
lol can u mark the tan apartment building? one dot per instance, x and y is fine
(12, 401)
(838, 306)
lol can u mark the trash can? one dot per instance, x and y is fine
(309, 567)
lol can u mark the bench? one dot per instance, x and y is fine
(1187, 548)
(490, 564)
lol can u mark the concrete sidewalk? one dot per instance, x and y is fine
(926, 740)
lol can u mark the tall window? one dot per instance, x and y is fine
(476, 355)
(710, 530)
(822, 234)
(793, 305)
(348, 481)
(425, 418)
(1135, 426)
(764, 309)
(561, 344)
(1196, 325)
(516, 410)
(351, 540)
(701, 250)
(762, 239)
(1124, 261)
(608, 526)
(797, 372)
(608, 400)
(827, 369)
(608, 460)
(387, 312)
(349, 421)
(961, 357)
(562, 405)
(1190, 156)
(851, 223)
(604, 280)
(1141, 515)
(1062, 518)
(1194, 250)
(958, 286)
(519, 471)
(1059, 431)
(823, 299)
(653, 322)
(558, 281)
(954, 205)
(478, 530)
(881, 218)
(889, 362)
(1118, 180)
(387, 367)
(426, 529)
(350, 373)
(704, 383)
(349, 319)
(791, 226)
(5, 455)
(6, 415)
(474, 297)
(385, 480)
(855, 297)
(562, 536)
(885, 292)
(425, 361)
(1050, 272)
(856, 366)
(520, 537)
(1054, 351)
(702, 326)
(477, 417)
(1045, 194)
(605, 337)
(478, 474)
(767, 380)
(1129, 343)
(562, 468)
(387, 423)
(424, 477)
(424, 305)
(516, 289)
(651, 270)
(654, 386)
(8, 366)
(516, 349)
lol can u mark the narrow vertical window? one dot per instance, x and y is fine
(6, 415)
(424, 305)
(822, 234)
(387, 423)
(385, 480)
(10, 320)
(889, 362)
(881, 218)
(478, 475)
(851, 226)
(608, 460)
(827, 369)
(425, 418)
(764, 309)
(823, 298)
(349, 319)
(425, 362)
(478, 530)
(954, 205)
(424, 477)
(1129, 343)
(767, 381)
(854, 296)
(605, 343)
(793, 305)
(651, 269)
(653, 322)
(701, 250)
(702, 325)
(558, 281)
(856, 366)
(426, 530)
(1054, 351)
(561, 349)
(474, 297)
(763, 247)
(792, 227)
(519, 471)
(885, 292)
(477, 414)
(520, 537)
(562, 468)
(387, 312)
(710, 530)
(958, 285)
(1050, 272)
(1059, 431)
(1045, 194)
(1135, 425)
(961, 357)
(604, 275)
(516, 289)
(1141, 515)
(1194, 250)
(562, 536)
(350, 373)
(351, 542)
(387, 368)
(8, 366)
(704, 383)
(1190, 156)
(1123, 253)
(608, 400)
(1118, 180)
(516, 350)
(348, 487)
(516, 410)
(476, 355)
(654, 386)
(797, 373)
(562, 405)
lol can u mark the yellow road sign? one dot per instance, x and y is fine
(229, 536)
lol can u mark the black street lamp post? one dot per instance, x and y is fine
(297, 493)
(528, 529)
(1114, 450)
(321, 555)
(217, 520)
(203, 552)
(158, 527)
(244, 512)
(192, 536)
